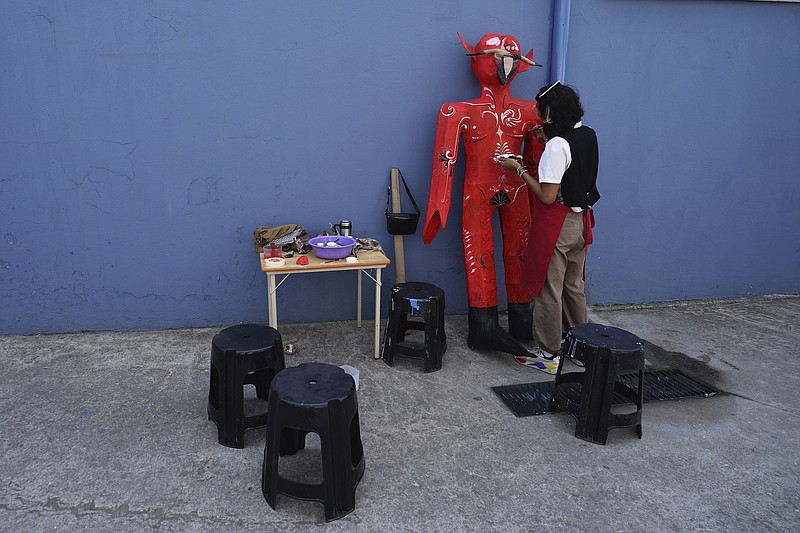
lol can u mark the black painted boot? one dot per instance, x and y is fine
(520, 321)
(485, 332)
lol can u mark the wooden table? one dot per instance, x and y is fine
(367, 260)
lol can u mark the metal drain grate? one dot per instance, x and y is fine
(667, 385)
(530, 399)
(526, 399)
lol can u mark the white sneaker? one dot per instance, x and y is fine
(544, 354)
(539, 361)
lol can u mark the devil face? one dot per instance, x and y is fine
(498, 59)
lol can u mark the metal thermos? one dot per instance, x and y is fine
(345, 227)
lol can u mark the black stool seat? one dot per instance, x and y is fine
(241, 355)
(606, 352)
(319, 398)
(410, 302)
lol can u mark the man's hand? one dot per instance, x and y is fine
(538, 131)
(509, 163)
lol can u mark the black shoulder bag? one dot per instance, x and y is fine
(401, 223)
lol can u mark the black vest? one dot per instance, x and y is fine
(579, 184)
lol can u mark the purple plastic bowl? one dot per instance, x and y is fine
(332, 252)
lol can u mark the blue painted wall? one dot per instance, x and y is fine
(696, 104)
(142, 144)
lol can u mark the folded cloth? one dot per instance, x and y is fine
(366, 245)
(288, 235)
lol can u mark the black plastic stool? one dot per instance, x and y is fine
(416, 299)
(606, 352)
(319, 398)
(240, 355)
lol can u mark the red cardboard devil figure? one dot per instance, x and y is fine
(494, 124)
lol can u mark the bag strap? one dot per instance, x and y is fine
(408, 191)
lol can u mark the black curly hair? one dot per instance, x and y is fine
(559, 107)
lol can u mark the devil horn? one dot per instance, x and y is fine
(527, 62)
(468, 47)
(529, 56)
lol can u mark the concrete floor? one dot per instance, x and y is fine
(108, 432)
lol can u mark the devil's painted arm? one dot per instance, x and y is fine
(452, 121)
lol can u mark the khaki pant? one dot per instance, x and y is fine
(562, 294)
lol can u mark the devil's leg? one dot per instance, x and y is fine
(515, 224)
(485, 332)
(515, 221)
(520, 320)
(478, 239)
(484, 328)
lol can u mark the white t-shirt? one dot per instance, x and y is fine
(556, 159)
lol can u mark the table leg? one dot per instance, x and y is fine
(272, 300)
(377, 312)
(358, 305)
